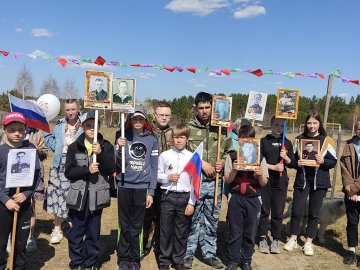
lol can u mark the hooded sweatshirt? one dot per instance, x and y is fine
(141, 157)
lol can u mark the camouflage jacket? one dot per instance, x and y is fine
(164, 137)
(209, 136)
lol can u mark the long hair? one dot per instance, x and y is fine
(317, 116)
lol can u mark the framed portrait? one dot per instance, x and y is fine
(221, 111)
(98, 86)
(123, 95)
(308, 149)
(20, 169)
(287, 103)
(248, 154)
(255, 107)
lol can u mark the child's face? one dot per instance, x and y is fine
(357, 129)
(14, 132)
(138, 122)
(88, 127)
(312, 125)
(277, 127)
(203, 111)
(180, 142)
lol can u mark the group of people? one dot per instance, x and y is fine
(157, 207)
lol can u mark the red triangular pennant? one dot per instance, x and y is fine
(100, 61)
(322, 76)
(225, 71)
(169, 69)
(354, 81)
(191, 69)
(4, 53)
(135, 65)
(62, 61)
(257, 72)
(299, 74)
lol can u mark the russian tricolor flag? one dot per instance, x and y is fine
(193, 168)
(34, 115)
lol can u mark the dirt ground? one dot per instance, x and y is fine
(327, 256)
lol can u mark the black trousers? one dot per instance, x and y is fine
(131, 211)
(152, 219)
(174, 227)
(316, 198)
(88, 224)
(22, 234)
(352, 214)
(273, 201)
(242, 216)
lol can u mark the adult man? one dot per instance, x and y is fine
(20, 166)
(205, 219)
(123, 95)
(256, 108)
(162, 131)
(100, 93)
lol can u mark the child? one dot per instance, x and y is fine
(89, 193)
(14, 131)
(273, 195)
(350, 172)
(244, 207)
(137, 186)
(177, 200)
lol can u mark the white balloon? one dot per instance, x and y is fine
(50, 105)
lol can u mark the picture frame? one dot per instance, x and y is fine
(123, 95)
(287, 103)
(308, 149)
(98, 87)
(221, 111)
(248, 154)
(255, 108)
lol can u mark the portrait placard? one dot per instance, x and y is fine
(123, 95)
(20, 169)
(248, 154)
(287, 103)
(221, 111)
(98, 86)
(255, 107)
(308, 149)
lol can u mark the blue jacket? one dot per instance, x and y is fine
(55, 141)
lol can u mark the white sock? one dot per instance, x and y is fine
(352, 249)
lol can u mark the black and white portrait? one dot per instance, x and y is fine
(248, 154)
(287, 103)
(255, 108)
(97, 89)
(123, 94)
(21, 164)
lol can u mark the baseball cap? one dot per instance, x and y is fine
(11, 117)
(138, 114)
(87, 116)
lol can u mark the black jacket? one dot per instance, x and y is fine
(83, 183)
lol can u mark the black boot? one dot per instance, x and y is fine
(349, 258)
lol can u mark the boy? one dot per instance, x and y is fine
(137, 186)
(177, 200)
(244, 207)
(89, 193)
(206, 217)
(14, 125)
(274, 194)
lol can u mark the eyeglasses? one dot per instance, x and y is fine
(163, 115)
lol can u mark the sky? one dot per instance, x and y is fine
(287, 36)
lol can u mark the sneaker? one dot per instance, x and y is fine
(290, 244)
(56, 237)
(133, 266)
(31, 245)
(231, 266)
(164, 267)
(263, 246)
(214, 262)
(275, 247)
(246, 266)
(92, 268)
(123, 265)
(77, 268)
(308, 249)
(188, 262)
(350, 257)
(8, 247)
(179, 267)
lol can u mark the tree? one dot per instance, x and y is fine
(25, 83)
(69, 90)
(50, 86)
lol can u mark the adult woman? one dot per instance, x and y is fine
(66, 131)
(311, 182)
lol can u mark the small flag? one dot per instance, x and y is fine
(193, 168)
(100, 61)
(34, 115)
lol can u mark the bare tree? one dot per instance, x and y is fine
(25, 83)
(70, 90)
(50, 86)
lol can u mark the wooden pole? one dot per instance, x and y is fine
(328, 96)
(96, 129)
(13, 235)
(217, 174)
(338, 143)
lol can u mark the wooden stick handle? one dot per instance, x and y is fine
(217, 174)
(13, 236)
(96, 129)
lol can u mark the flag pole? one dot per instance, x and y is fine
(122, 147)
(283, 144)
(217, 174)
